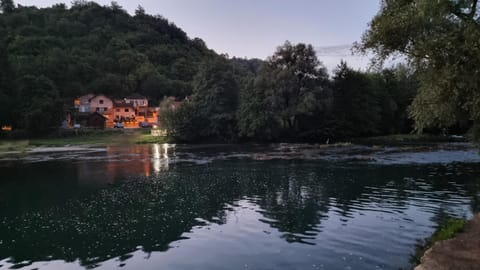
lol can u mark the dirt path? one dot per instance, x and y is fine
(459, 253)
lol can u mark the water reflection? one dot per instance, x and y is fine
(116, 163)
(161, 156)
(132, 203)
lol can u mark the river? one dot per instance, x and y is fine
(230, 207)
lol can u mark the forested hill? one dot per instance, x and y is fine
(93, 48)
(50, 55)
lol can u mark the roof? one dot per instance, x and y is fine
(135, 96)
(86, 98)
(122, 105)
(99, 95)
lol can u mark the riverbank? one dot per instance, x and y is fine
(83, 139)
(460, 252)
(120, 136)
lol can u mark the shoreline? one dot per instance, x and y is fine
(460, 252)
(408, 154)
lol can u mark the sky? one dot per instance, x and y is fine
(255, 28)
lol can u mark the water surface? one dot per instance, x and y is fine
(217, 207)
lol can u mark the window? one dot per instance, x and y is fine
(101, 101)
(98, 109)
(126, 110)
(117, 110)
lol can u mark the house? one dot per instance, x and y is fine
(89, 120)
(100, 104)
(148, 115)
(132, 112)
(123, 112)
(93, 103)
(82, 104)
(96, 120)
(137, 100)
(171, 103)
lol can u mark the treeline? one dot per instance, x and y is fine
(290, 97)
(51, 55)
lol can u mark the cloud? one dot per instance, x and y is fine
(331, 56)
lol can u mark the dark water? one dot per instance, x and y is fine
(161, 207)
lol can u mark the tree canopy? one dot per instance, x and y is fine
(442, 41)
(287, 88)
(89, 48)
(49, 56)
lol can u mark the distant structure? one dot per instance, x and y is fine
(99, 111)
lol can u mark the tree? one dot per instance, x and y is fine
(287, 88)
(355, 108)
(40, 105)
(7, 94)
(140, 11)
(255, 117)
(395, 89)
(442, 40)
(215, 94)
(7, 6)
(211, 111)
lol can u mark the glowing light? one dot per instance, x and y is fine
(160, 159)
(6, 128)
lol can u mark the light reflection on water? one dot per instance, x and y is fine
(154, 207)
(161, 156)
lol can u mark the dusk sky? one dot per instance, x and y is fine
(254, 28)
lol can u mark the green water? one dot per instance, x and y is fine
(146, 208)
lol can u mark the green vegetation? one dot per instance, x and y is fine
(404, 139)
(14, 146)
(291, 98)
(441, 40)
(83, 138)
(51, 55)
(445, 231)
(210, 113)
(148, 139)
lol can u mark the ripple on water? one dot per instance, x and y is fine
(275, 214)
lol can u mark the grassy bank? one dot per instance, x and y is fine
(447, 230)
(142, 136)
(83, 138)
(407, 139)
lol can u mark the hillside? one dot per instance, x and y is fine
(51, 55)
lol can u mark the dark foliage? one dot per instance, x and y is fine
(49, 56)
(56, 54)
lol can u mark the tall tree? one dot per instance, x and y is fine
(7, 93)
(356, 109)
(210, 113)
(287, 87)
(442, 40)
(215, 94)
(255, 115)
(7, 6)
